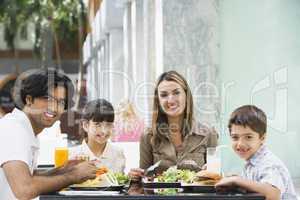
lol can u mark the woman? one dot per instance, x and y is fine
(175, 137)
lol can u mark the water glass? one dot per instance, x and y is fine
(213, 160)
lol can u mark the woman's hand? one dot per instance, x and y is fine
(136, 174)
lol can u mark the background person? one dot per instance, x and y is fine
(128, 126)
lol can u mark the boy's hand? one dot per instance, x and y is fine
(228, 181)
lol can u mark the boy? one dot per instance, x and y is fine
(41, 96)
(98, 122)
(264, 173)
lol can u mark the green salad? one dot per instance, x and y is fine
(167, 191)
(176, 175)
(122, 179)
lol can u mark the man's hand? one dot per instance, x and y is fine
(82, 171)
(68, 166)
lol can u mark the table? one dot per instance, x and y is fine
(139, 193)
(205, 196)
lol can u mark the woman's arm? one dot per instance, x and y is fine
(212, 141)
(146, 151)
(213, 138)
(146, 158)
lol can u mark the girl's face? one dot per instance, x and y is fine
(245, 141)
(172, 98)
(99, 132)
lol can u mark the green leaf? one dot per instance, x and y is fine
(64, 16)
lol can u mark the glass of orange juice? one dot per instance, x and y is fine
(61, 156)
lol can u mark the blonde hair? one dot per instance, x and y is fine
(125, 110)
(159, 118)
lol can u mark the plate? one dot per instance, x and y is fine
(109, 188)
(88, 193)
(161, 185)
(194, 188)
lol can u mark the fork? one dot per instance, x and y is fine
(150, 170)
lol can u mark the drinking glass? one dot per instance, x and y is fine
(61, 156)
(213, 160)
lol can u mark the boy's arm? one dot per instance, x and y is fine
(27, 186)
(269, 191)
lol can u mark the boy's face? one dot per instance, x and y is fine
(245, 141)
(99, 132)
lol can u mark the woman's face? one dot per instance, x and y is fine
(172, 98)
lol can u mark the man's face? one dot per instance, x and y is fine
(245, 141)
(44, 111)
(98, 132)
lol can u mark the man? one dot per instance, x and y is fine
(41, 97)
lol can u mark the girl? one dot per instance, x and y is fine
(97, 122)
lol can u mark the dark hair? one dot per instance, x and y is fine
(251, 116)
(98, 111)
(37, 83)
